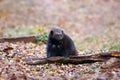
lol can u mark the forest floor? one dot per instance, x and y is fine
(13, 66)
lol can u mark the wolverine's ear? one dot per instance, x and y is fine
(51, 32)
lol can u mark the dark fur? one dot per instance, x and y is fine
(60, 44)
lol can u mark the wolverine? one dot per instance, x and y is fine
(60, 44)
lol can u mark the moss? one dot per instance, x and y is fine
(42, 38)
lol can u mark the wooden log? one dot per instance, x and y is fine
(18, 39)
(101, 57)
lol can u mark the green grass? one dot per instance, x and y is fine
(16, 31)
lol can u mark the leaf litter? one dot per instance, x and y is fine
(14, 68)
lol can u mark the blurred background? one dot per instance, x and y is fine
(92, 24)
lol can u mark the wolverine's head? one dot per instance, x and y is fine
(57, 34)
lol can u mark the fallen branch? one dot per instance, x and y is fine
(104, 56)
(60, 60)
(18, 39)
